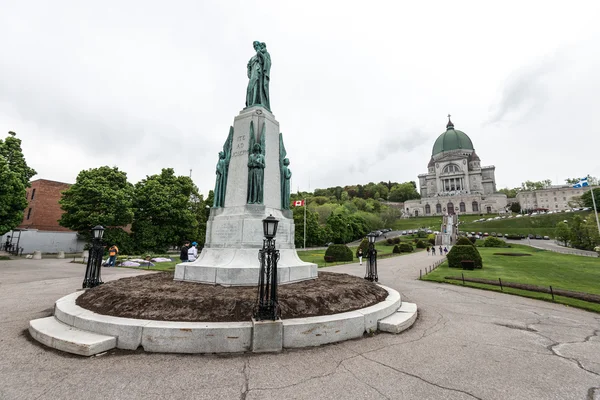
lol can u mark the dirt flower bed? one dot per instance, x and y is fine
(159, 297)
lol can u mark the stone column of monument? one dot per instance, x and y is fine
(246, 193)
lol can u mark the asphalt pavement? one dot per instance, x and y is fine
(466, 344)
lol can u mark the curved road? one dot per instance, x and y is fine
(466, 344)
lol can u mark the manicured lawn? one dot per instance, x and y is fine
(542, 268)
(543, 225)
(318, 256)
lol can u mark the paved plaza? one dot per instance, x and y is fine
(466, 344)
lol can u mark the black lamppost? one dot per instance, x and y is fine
(268, 306)
(92, 271)
(371, 273)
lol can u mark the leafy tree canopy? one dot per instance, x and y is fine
(535, 185)
(99, 196)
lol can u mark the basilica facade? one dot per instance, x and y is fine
(455, 182)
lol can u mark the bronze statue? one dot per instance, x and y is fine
(285, 175)
(259, 75)
(222, 171)
(256, 167)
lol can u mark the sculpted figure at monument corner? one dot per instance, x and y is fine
(259, 75)
(222, 171)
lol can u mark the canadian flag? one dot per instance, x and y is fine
(298, 203)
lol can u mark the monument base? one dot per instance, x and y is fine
(234, 237)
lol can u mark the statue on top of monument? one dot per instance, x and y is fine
(285, 175)
(256, 166)
(259, 75)
(222, 171)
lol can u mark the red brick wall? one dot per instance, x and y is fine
(45, 210)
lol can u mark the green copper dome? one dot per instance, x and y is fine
(452, 139)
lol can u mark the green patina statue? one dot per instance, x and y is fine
(259, 73)
(256, 167)
(222, 171)
(285, 175)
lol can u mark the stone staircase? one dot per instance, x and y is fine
(400, 320)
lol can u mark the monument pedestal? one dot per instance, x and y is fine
(234, 233)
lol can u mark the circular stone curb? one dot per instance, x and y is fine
(223, 337)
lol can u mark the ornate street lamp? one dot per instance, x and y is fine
(371, 272)
(92, 271)
(268, 306)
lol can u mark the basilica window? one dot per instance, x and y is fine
(451, 168)
(427, 209)
(462, 207)
(438, 208)
(475, 207)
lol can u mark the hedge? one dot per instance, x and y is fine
(405, 247)
(493, 242)
(421, 244)
(396, 250)
(459, 253)
(463, 241)
(339, 252)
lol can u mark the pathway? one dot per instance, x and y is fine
(466, 344)
(553, 246)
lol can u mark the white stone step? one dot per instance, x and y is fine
(398, 322)
(53, 333)
(408, 307)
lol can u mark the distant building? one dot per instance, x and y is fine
(455, 182)
(43, 211)
(553, 198)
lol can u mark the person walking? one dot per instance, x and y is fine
(112, 252)
(433, 250)
(441, 251)
(183, 255)
(193, 252)
(445, 250)
(428, 250)
(359, 254)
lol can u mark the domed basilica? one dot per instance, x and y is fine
(455, 182)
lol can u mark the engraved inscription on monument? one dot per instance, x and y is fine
(226, 231)
(240, 146)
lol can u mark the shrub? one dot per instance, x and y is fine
(364, 245)
(329, 259)
(396, 240)
(472, 239)
(421, 244)
(463, 252)
(339, 252)
(494, 242)
(396, 250)
(405, 247)
(514, 237)
(431, 241)
(422, 234)
(390, 241)
(463, 241)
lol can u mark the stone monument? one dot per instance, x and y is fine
(252, 182)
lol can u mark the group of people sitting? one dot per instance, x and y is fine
(431, 249)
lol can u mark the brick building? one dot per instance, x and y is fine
(43, 210)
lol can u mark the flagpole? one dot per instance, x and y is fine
(305, 224)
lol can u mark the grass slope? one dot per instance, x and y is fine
(543, 268)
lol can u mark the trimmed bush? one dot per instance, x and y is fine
(463, 241)
(463, 252)
(405, 247)
(364, 245)
(493, 242)
(396, 240)
(472, 239)
(514, 237)
(421, 244)
(431, 241)
(396, 250)
(390, 241)
(339, 252)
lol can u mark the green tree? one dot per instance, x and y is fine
(340, 228)
(535, 185)
(11, 150)
(587, 200)
(99, 196)
(583, 234)
(403, 192)
(314, 234)
(12, 198)
(164, 213)
(515, 207)
(510, 193)
(14, 179)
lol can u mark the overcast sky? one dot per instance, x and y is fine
(361, 89)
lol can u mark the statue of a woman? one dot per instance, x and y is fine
(256, 169)
(222, 171)
(285, 187)
(259, 72)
